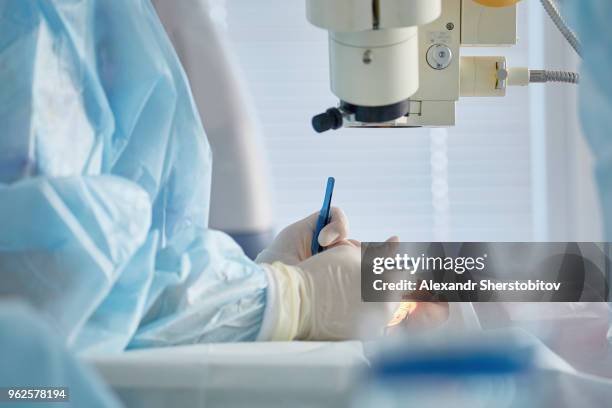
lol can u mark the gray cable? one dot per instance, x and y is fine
(554, 14)
(540, 75)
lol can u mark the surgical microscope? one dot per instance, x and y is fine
(398, 63)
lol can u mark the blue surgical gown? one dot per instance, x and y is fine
(591, 20)
(105, 176)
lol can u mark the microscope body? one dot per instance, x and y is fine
(397, 63)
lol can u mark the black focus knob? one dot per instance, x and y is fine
(330, 119)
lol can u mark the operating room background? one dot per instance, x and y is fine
(512, 169)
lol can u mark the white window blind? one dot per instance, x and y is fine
(470, 182)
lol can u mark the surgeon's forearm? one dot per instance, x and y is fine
(210, 293)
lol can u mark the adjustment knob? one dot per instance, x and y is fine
(439, 56)
(330, 119)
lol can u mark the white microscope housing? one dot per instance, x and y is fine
(373, 55)
(398, 63)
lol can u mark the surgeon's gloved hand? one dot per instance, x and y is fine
(320, 299)
(292, 245)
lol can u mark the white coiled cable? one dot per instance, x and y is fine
(540, 75)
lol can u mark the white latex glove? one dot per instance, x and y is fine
(320, 299)
(292, 245)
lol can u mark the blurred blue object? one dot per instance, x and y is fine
(32, 357)
(451, 353)
(105, 182)
(458, 362)
(591, 20)
(446, 368)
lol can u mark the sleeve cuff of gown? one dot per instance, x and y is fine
(271, 310)
(282, 312)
